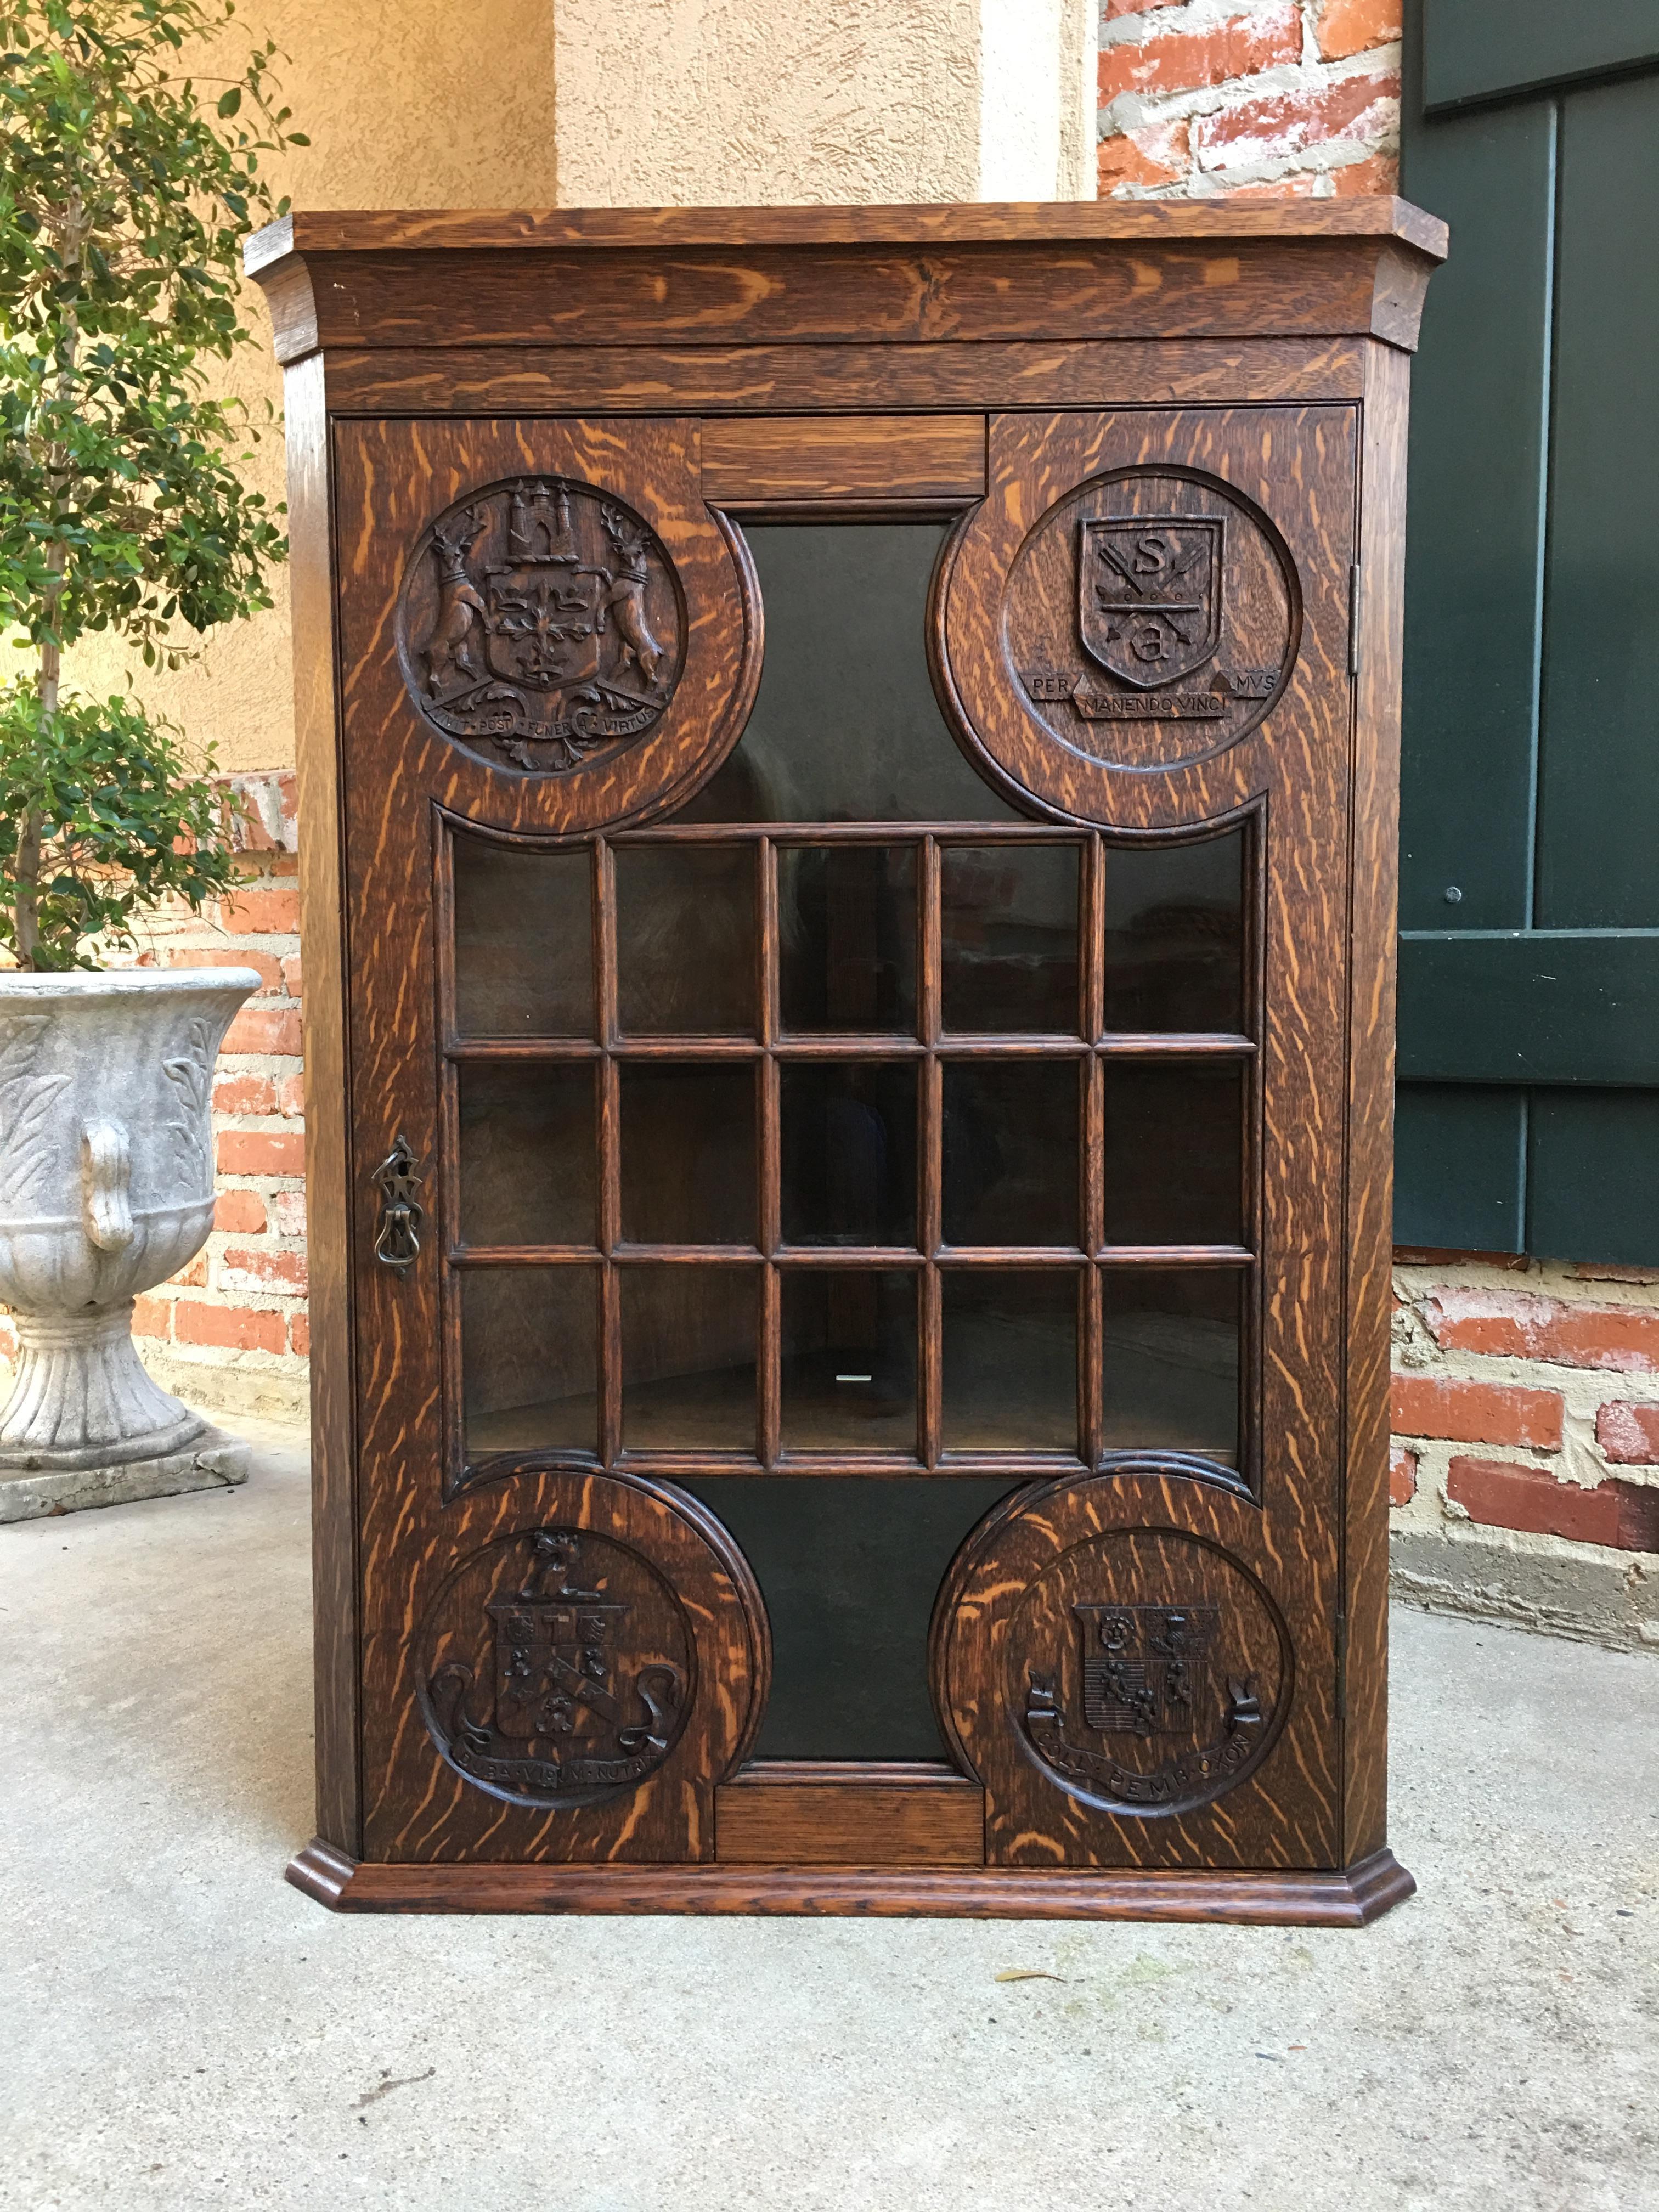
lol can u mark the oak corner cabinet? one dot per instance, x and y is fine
(847, 769)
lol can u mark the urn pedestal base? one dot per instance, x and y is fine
(83, 1398)
(213, 1461)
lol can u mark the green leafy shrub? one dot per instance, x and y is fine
(126, 189)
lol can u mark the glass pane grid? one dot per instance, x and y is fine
(801, 1415)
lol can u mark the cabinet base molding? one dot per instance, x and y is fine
(1351, 1897)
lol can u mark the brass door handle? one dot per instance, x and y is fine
(397, 1235)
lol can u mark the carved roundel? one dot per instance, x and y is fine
(1144, 1672)
(541, 624)
(1137, 1671)
(562, 1666)
(1151, 619)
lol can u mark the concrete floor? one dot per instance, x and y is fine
(181, 2029)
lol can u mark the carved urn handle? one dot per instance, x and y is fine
(106, 1185)
(396, 1237)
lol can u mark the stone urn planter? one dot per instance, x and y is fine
(106, 1190)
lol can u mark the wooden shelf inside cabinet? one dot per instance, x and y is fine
(848, 892)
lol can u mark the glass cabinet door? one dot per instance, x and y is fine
(850, 1120)
(879, 1116)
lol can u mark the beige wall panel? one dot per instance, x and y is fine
(723, 102)
(1038, 86)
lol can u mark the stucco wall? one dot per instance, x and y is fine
(407, 103)
(721, 102)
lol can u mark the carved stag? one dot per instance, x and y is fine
(460, 609)
(624, 598)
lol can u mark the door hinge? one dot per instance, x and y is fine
(1353, 618)
(1342, 1666)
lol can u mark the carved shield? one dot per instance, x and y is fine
(1148, 594)
(552, 1666)
(1147, 1670)
(543, 623)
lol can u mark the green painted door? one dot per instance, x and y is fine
(1529, 1101)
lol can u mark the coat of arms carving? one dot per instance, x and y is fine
(1149, 590)
(1146, 1668)
(1151, 619)
(1154, 1713)
(541, 623)
(569, 1683)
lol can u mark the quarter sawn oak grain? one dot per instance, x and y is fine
(1159, 1678)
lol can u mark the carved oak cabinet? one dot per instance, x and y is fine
(847, 771)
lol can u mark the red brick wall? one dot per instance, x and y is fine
(1249, 97)
(1526, 1398)
(234, 1333)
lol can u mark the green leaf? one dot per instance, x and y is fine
(122, 510)
(127, 818)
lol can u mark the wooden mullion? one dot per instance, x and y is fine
(1091, 1342)
(1176, 1044)
(828, 1466)
(445, 1202)
(768, 1350)
(767, 984)
(469, 1256)
(685, 1255)
(855, 1045)
(845, 833)
(962, 1257)
(930, 1368)
(533, 1050)
(604, 943)
(1091, 1356)
(768, 1163)
(1143, 1256)
(930, 1137)
(930, 947)
(604, 984)
(610, 1363)
(1093, 1195)
(844, 1045)
(794, 1257)
(1032, 1045)
(768, 1368)
(1094, 937)
(692, 1049)
(849, 1045)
